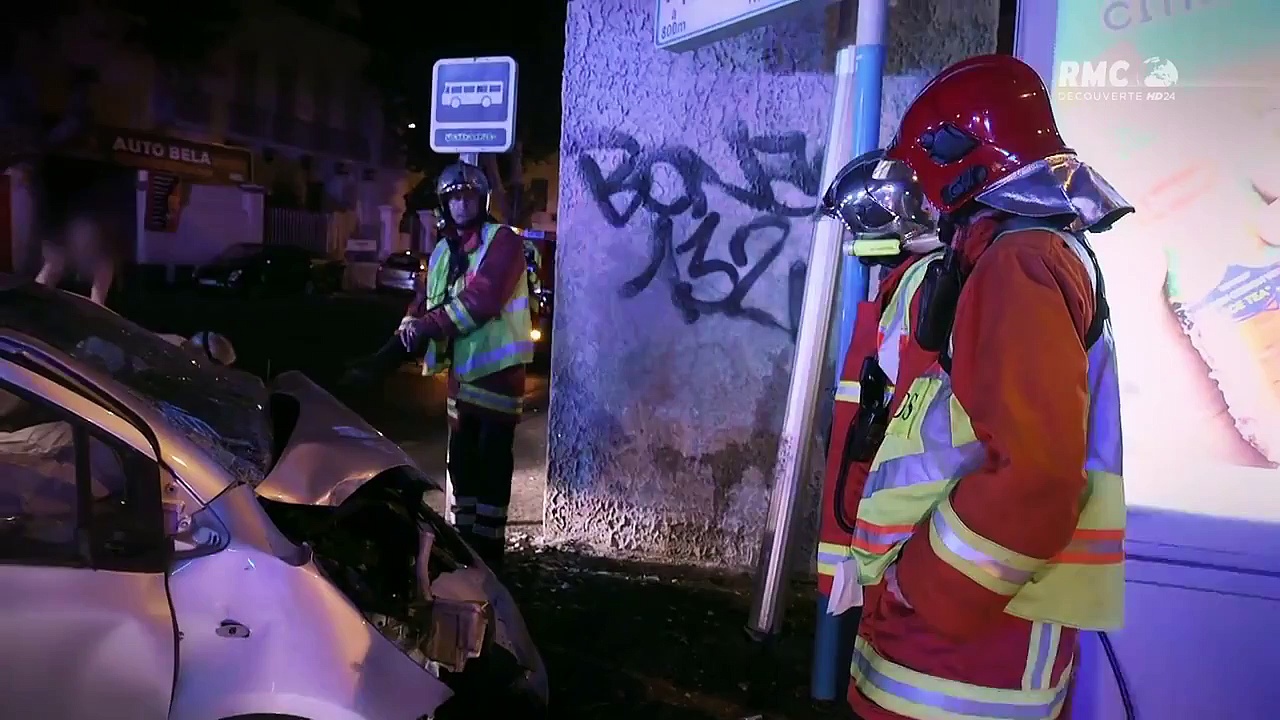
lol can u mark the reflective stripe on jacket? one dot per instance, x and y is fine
(913, 694)
(479, 350)
(891, 335)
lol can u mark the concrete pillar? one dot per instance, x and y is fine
(663, 437)
(254, 201)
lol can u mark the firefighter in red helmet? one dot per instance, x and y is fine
(990, 527)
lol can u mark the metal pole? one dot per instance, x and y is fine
(515, 187)
(868, 76)
(806, 373)
(834, 634)
(450, 517)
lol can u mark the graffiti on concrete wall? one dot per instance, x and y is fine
(712, 265)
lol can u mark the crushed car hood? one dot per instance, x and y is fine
(331, 452)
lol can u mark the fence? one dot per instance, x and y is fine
(325, 233)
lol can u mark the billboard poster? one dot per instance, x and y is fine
(1177, 103)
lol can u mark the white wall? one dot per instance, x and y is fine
(214, 218)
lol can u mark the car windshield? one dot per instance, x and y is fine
(222, 412)
(240, 251)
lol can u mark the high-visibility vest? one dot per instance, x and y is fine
(533, 262)
(930, 445)
(892, 336)
(478, 350)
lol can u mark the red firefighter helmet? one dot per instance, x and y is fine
(976, 123)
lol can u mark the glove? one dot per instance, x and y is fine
(407, 332)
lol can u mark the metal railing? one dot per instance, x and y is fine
(320, 232)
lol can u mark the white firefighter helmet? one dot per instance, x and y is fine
(460, 176)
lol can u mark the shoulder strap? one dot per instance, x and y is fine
(891, 284)
(1101, 308)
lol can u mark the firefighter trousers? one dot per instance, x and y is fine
(481, 462)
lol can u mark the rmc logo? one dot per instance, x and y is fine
(1115, 78)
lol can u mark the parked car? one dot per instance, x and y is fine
(402, 272)
(271, 270)
(180, 541)
(542, 282)
(543, 314)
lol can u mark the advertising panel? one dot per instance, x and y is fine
(1177, 103)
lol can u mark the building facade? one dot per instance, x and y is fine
(276, 137)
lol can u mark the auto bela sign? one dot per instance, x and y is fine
(202, 162)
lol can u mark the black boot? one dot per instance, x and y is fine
(490, 550)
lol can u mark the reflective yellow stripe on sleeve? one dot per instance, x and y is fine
(459, 316)
(995, 568)
(830, 555)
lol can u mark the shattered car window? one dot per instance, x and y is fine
(221, 412)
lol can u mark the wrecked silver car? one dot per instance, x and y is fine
(179, 540)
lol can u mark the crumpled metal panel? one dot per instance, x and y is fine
(332, 451)
(305, 649)
(66, 657)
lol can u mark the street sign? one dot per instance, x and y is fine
(688, 24)
(473, 105)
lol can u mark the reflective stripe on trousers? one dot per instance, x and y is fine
(461, 511)
(916, 695)
(491, 521)
(488, 399)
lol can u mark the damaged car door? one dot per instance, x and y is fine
(85, 621)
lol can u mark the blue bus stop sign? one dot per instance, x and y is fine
(473, 108)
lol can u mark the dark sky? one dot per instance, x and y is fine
(531, 31)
